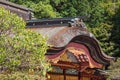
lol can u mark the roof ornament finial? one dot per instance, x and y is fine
(77, 22)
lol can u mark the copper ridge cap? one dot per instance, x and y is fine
(54, 21)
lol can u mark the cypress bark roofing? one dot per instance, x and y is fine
(59, 36)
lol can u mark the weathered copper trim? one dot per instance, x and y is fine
(51, 22)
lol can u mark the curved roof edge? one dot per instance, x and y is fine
(93, 46)
(61, 36)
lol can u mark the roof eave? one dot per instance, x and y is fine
(15, 5)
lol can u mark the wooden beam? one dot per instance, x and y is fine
(79, 75)
(64, 66)
(81, 70)
(64, 73)
(67, 65)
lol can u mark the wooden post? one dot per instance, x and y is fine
(64, 73)
(79, 75)
(79, 71)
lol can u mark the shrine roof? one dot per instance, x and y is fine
(63, 31)
(57, 29)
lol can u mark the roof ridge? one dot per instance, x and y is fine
(54, 21)
(14, 5)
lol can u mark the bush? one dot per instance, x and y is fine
(21, 51)
(114, 71)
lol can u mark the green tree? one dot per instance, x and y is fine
(103, 34)
(112, 9)
(41, 8)
(72, 8)
(114, 70)
(116, 32)
(108, 32)
(96, 13)
(22, 52)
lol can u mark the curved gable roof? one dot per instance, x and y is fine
(74, 34)
(61, 36)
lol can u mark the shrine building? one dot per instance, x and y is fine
(75, 53)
